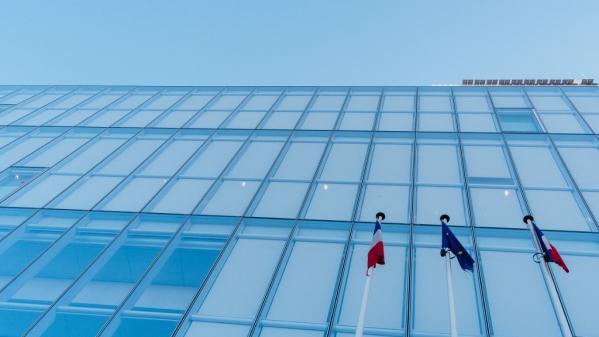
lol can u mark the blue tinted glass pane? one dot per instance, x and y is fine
(555, 103)
(398, 103)
(84, 160)
(328, 103)
(362, 103)
(129, 158)
(87, 192)
(133, 194)
(434, 201)
(181, 196)
(392, 200)
(396, 122)
(254, 260)
(56, 152)
(282, 120)
(319, 121)
(472, 104)
(332, 201)
(213, 159)
(562, 123)
(300, 161)
(300, 299)
(345, 162)
(357, 121)
(434, 104)
(477, 123)
(497, 207)
(231, 198)
(209, 119)
(293, 103)
(522, 121)
(281, 200)
(557, 210)
(389, 163)
(438, 164)
(168, 161)
(41, 191)
(256, 160)
(537, 167)
(245, 120)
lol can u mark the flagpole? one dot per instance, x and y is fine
(561, 315)
(452, 319)
(360, 326)
(380, 216)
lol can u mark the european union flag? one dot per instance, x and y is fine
(450, 242)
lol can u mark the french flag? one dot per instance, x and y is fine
(376, 254)
(550, 253)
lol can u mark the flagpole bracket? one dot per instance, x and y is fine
(537, 257)
(380, 215)
(527, 218)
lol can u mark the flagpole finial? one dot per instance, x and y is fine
(380, 215)
(528, 217)
(444, 216)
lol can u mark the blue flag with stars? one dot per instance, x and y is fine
(450, 242)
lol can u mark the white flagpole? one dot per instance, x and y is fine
(561, 315)
(360, 326)
(452, 319)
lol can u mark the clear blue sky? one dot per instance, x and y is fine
(295, 42)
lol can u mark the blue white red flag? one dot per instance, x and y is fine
(376, 254)
(550, 253)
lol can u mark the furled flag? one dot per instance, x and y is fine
(550, 253)
(450, 242)
(376, 254)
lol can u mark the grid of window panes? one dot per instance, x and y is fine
(247, 211)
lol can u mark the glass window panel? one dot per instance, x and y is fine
(438, 164)
(206, 329)
(398, 103)
(40, 101)
(392, 200)
(41, 191)
(140, 118)
(300, 161)
(536, 167)
(174, 119)
(162, 102)
(245, 120)
(328, 103)
(586, 104)
(131, 102)
(592, 199)
(583, 164)
(357, 121)
(40, 117)
(231, 198)
(55, 153)
(386, 297)
(344, 162)
(227, 102)
(9, 116)
(213, 159)
(260, 102)
(194, 102)
(133, 195)
(561, 123)
(518, 121)
(87, 192)
(256, 160)
(133, 155)
(168, 161)
(396, 122)
(332, 202)
(554, 103)
(519, 293)
(294, 103)
(592, 121)
(434, 103)
(319, 121)
(556, 210)
(210, 119)
(72, 118)
(181, 196)
(578, 291)
(307, 299)
(254, 261)
(472, 104)
(15, 98)
(515, 101)
(430, 299)
(432, 202)
(101, 101)
(363, 103)
(477, 123)
(435, 122)
(106, 118)
(14, 153)
(391, 163)
(282, 120)
(497, 207)
(275, 332)
(89, 157)
(281, 200)
(486, 162)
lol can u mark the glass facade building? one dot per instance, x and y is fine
(248, 211)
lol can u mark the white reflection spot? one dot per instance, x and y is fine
(325, 187)
(243, 183)
(506, 193)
